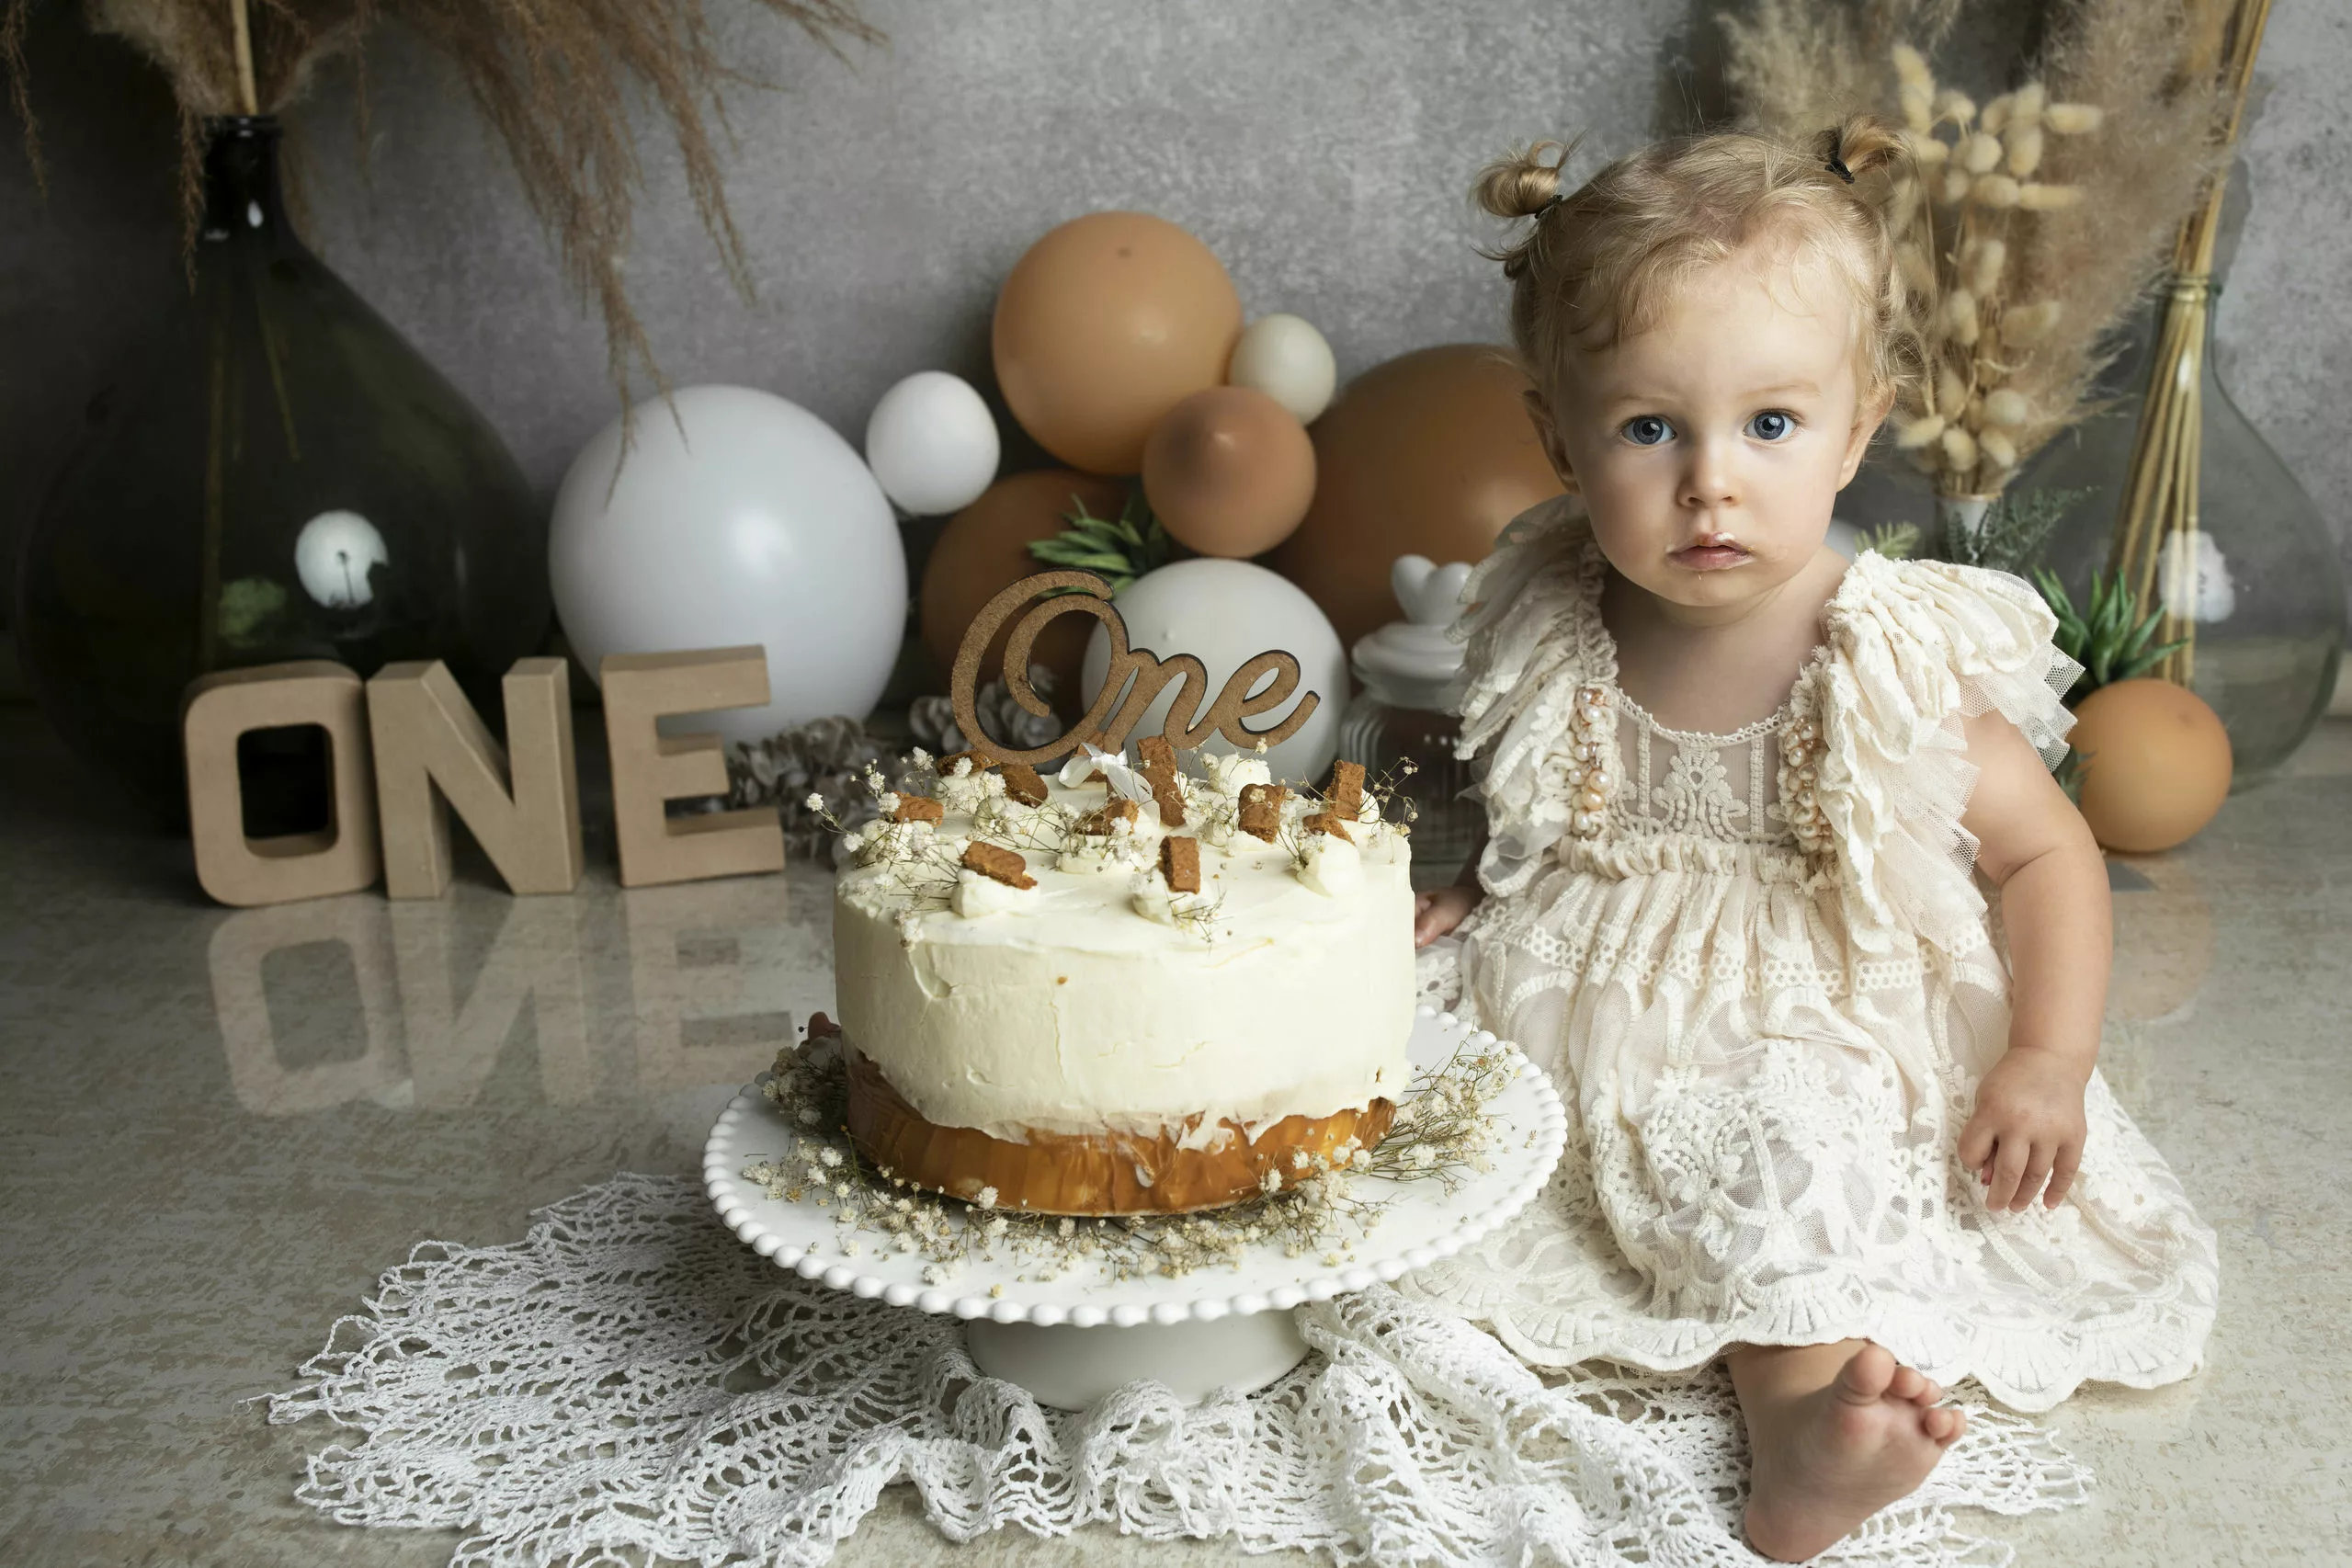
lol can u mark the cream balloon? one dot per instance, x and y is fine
(734, 517)
(1225, 613)
(1285, 358)
(932, 444)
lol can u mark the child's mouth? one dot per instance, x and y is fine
(1709, 557)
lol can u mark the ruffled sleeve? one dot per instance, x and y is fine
(1913, 648)
(1529, 649)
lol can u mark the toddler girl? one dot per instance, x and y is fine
(1832, 1120)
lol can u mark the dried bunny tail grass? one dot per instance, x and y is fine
(555, 78)
(2124, 192)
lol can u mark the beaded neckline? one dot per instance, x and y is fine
(1600, 650)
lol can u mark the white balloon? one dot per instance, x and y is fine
(331, 556)
(740, 518)
(1285, 358)
(932, 443)
(1225, 613)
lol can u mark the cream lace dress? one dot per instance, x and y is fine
(1761, 970)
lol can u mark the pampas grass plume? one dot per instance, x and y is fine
(2025, 104)
(1955, 188)
(2073, 119)
(1996, 190)
(1911, 68)
(1955, 106)
(1996, 448)
(1981, 153)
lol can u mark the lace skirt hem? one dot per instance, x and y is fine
(2029, 1369)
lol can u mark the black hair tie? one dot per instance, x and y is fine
(1836, 164)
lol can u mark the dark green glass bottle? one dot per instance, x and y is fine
(274, 473)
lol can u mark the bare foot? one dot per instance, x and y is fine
(1836, 1456)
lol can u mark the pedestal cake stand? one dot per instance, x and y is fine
(1071, 1340)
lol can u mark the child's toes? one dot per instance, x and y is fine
(1907, 1383)
(1864, 1377)
(1943, 1426)
(1930, 1393)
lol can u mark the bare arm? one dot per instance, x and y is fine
(1440, 911)
(2033, 842)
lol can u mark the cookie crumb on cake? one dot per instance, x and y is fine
(1005, 866)
(1261, 810)
(1022, 783)
(1181, 863)
(1160, 771)
(1107, 818)
(1325, 822)
(1347, 798)
(917, 808)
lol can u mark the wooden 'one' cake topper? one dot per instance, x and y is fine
(1120, 705)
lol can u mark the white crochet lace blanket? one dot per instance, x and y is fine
(629, 1378)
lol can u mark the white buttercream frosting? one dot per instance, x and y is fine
(977, 896)
(1332, 867)
(1066, 1010)
(1232, 773)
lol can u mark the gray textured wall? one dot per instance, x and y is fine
(1322, 147)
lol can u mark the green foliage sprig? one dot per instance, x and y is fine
(2015, 530)
(1117, 550)
(2110, 639)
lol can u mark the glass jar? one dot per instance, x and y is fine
(1410, 672)
(273, 474)
(2265, 587)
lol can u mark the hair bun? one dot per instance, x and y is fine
(1863, 143)
(1523, 184)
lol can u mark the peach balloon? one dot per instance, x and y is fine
(1429, 454)
(2156, 763)
(984, 548)
(1107, 323)
(1230, 472)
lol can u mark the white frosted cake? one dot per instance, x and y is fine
(1150, 991)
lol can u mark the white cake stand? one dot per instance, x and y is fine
(1073, 1339)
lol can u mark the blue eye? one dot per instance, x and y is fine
(1647, 430)
(1771, 426)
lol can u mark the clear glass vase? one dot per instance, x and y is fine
(2265, 587)
(272, 474)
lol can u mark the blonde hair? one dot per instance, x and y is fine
(1599, 264)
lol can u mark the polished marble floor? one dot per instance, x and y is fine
(220, 1126)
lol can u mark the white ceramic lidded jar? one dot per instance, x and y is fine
(1411, 673)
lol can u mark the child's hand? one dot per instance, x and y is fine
(1440, 911)
(2027, 1127)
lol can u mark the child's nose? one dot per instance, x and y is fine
(1708, 481)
